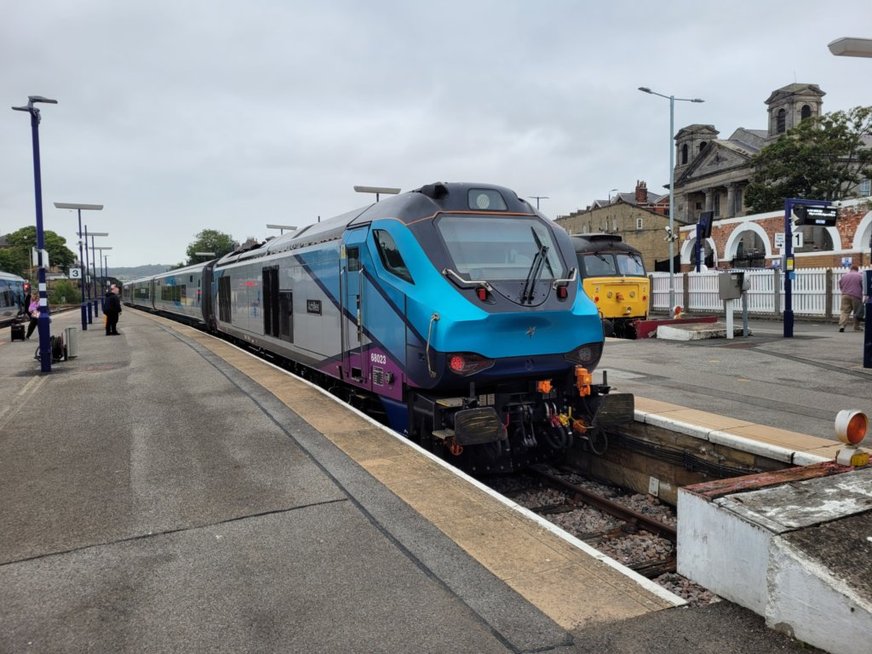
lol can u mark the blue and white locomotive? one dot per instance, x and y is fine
(456, 307)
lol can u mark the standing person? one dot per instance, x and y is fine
(33, 312)
(112, 309)
(851, 286)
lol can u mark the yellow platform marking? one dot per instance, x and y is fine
(567, 584)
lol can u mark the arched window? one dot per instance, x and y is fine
(702, 145)
(805, 112)
(684, 153)
(781, 122)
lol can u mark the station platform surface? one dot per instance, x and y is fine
(795, 385)
(165, 491)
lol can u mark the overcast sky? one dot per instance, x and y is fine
(184, 115)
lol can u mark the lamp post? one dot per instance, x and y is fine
(848, 46)
(104, 271)
(43, 321)
(672, 99)
(610, 195)
(378, 190)
(94, 265)
(539, 197)
(83, 273)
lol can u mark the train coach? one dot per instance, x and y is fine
(613, 276)
(14, 293)
(455, 309)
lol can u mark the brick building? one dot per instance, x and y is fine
(640, 217)
(750, 241)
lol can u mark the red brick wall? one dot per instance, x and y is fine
(849, 220)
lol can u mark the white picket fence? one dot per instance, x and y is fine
(815, 292)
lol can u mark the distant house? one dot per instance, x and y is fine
(640, 217)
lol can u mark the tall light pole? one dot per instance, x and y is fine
(853, 47)
(82, 273)
(378, 190)
(539, 197)
(43, 321)
(672, 100)
(104, 271)
(610, 195)
(94, 265)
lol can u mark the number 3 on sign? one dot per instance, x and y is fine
(75, 273)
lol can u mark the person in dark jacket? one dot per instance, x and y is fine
(112, 309)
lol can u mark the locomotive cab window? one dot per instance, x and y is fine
(390, 255)
(630, 264)
(478, 250)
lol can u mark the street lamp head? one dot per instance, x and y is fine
(645, 89)
(851, 47)
(387, 190)
(697, 100)
(33, 99)
(76, 205)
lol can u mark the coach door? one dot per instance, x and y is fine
(355, 362)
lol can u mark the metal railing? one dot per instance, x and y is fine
(815, 292)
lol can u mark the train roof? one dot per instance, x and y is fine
(601, 243)
(429, 200)
(9, 277)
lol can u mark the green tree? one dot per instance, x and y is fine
(210, 240)
(822, 158)
(21, 241)
(63, 291)
(15, 260)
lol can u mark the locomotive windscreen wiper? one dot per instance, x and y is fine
(535, 269)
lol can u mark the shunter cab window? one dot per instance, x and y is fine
(608, 264)
(390, 255)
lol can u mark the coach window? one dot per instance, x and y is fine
(390, 255)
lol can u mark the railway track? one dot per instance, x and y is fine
(636, 530)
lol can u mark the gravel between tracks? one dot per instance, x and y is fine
(606, 533)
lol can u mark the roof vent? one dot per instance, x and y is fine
(435, 190)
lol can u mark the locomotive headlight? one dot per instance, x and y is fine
(467, 363)
(587, 355)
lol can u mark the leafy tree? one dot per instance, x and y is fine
(63, 291)
(14, 260)
(21, 241)
(210, 240)
(822, 158)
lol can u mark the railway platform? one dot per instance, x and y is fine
(165, 491)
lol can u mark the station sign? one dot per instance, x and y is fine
(796, 237)
(819, 216)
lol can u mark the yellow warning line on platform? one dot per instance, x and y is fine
(571, 586)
